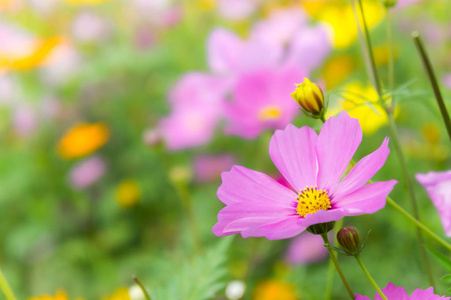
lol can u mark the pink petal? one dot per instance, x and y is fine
(363, 171)
(293, 152)
(224, 49)
(366, 200)
(337, 143)
(306, 248)
(359, 297)
(254, 199)
(393, 292)
(427, 294)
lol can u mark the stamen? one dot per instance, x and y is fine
(311, 200)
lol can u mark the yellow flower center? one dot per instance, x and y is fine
(310, 200)
(269, 113)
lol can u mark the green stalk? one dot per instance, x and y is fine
(330, 270)
(6, 289)
(334, 260)
(370, 278)
(143, 289)
(391, 64)
(430, 72)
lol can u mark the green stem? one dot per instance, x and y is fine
(418, 224)
(391, 67)
(430, 72)
(370, 278)
(330, 270)
(377, 82)
(139, 283)
(6, 289)
(334, 260)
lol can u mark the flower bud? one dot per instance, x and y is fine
(349, 240)
(310, 97)
(321, 228)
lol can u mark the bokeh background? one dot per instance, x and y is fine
(117, 118)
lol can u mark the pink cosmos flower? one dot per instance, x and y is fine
(261, 100)
(87, 172)
(306, 248)
(208, 168)
(393, 292)
(438, 186)
(258, 206)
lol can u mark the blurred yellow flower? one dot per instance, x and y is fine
(59, 295)
(382, 54)
(83, 139)
(340, 16)
(24, 59)
(361, 103)
(206, 5)
(274, 289)
(119, 294)
(337, 69)
(128, 193)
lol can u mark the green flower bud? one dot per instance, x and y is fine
(321, 228)
(310, 98)
(349, 240)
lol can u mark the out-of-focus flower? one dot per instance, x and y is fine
(19, 50)
(25, 120)
(197, 104)
(208, 168)
(90, 27)
(119, 294)
(426, 146)
(83, 139)
(393, 292)
(274, 289)
(306, 248)
(128, 193)
(447, 80)
(337, 69)
(59, 295)
(86, 2)
(257, 206)
(260, 101)
(438, 187)
(235, 289)
(339, 15)
(236, 9)
(362, 103)
(136, 293)
(87, 172)
(152, 137)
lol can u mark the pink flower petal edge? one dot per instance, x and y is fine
(393, 292)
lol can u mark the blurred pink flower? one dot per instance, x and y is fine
(258, 206)
(25, 120)
(438, 187)
(393, 292)
(62, 64)
(196, 102)
(230, 55)
(447, 80)
(152, 137)
(90, 27)
(237, 9)
(208, 168)
(87, 172)
(306, 248)
(261, 100)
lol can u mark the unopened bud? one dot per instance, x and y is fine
(310, 98)
(349, 240)
(321, 228)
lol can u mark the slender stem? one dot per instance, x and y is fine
(330, 270)
(411, 191)
(391, 63)
(418, 224)
(334, 260)
(430, 72)
(6, 289)
(377, 83)
(370, 278)
(139, 283)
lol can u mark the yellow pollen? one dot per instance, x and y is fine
(310, 200)
(269, 113)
